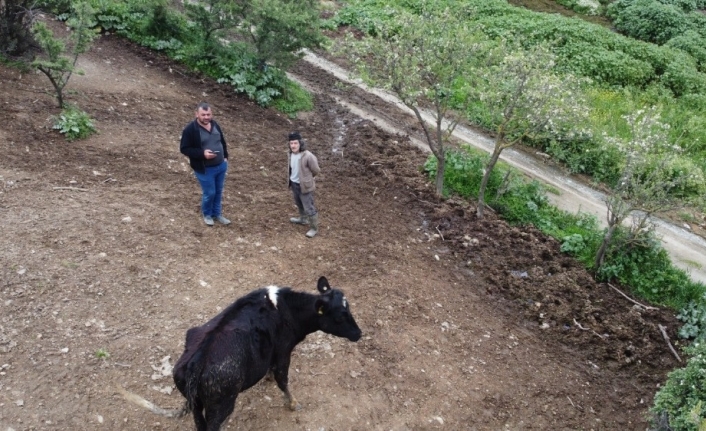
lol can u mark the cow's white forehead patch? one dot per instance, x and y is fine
(272, 292)
(345, 302)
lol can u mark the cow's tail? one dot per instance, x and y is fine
(134, 398)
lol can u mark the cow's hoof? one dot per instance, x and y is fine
(295, 406)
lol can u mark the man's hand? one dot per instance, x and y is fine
(208, 154)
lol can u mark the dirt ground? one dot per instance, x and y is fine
(468, 324)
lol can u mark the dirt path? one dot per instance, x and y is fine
(105, 263)
(687, 250)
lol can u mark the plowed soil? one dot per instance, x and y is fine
(105, 263)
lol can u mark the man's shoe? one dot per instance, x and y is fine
(222, 220)
(208, 220)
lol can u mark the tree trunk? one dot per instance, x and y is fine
(600, 255)
(486, 177)
(440, 170)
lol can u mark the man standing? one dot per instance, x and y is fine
(303, 167)
(202, 141)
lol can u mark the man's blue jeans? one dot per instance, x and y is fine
(212, 182)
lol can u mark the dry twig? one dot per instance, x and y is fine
(646, 307)
(77, 189)
(663, 329)
(579, 325)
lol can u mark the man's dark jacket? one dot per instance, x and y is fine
(191, 145)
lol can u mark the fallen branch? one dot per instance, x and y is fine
(663, 329)
(442, 236)
(646, 307)
(76, 189)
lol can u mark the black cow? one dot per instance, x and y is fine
(253, 336)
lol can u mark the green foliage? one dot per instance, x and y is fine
(645, 267)
(74, 124)
(415, 58)
(694, 318)
(683, 77)
(102, 354)
(294, 99)
(243, 72)
(59, 62)
(626, 75)
(280, 29)
(649, 20)
(196, 39)
(692, 43)
(682, 395)
(16, 18)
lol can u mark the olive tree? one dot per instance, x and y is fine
(525, 98)
(424, 60)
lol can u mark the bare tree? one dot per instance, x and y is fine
(526, 99)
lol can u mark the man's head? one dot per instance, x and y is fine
(295, 141)
(203, 113)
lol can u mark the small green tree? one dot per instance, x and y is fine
(213, 16)
(280, 29)
(422, 59)
(646, 180)
(526, 99)
(59, 62)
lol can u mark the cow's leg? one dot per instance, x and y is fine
(217, 413)
(281, 372)
(198, 416)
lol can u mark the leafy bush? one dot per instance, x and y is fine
(74, 124)
(694, 318)
(647, 269)
(242, 70)
(683, 77)
(650, 20)
(681, 396)
(294, 99)
(693, 44)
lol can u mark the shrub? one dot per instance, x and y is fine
(651, 21)
(681, 396)
(74, 124)
(682, 77)
(294, 99)
(693, 44)
(645, 267)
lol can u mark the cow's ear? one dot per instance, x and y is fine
(320, 306)
(323, 285)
